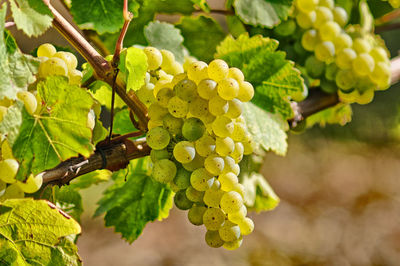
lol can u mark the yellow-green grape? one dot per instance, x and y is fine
(181, 201)
(157, 155)
(309, 40)
(231, 201)
(363, 64)
(285, 28)
(3, 112)
(224, 146)
(75, 77)
(168, 58)
(53, 67)
(188, 60)
(222, 126)
(178, 107)
(238, 152)
(207, 119)
(205, 145)
(246, 226)
(324, 51)
(193, 129)
(91, 120)
(68, 58)
(186, 90)
(324, 14)
(6, 151)
(345, 58)
(195, 215)
(348, 97)
(340, 16)
(172, 124)
(331, 70)
(236, 217)
(146, 94)
(153, 124)
(365, 97)
(306, 20)
(218, 106)
(178, 78)
(329, 31)
(182, 178)
(163, 96)
(229, 232)
(361, 45)
(306, 5)
(214, 164)
(164, 171)
(234, 109)
(197, 71)
(154, 57)
(236, 74)
(315, 68)
(29, 101)
(327, 3)
(158, 138)
(239, 131)
(199, 107)
(218, 69)
(248, 144)
(8, 170)
(233, 244)
(228, 181)
(228, 88)
(175, 69)
(345, 80)
(32, 184)
(342, 41)
(212, 197)
(239, 188)
(194, 195)
(379, 54)
(381, 75)
(12, 192)
(207, 89)
(230, 165)
(184, 152)
(157, 112)
(162, 83)
(213, 239)
(3, 186)
(213, 218)
(196, 163)
(201, 179)
(46, 50)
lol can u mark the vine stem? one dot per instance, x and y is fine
(217, 11)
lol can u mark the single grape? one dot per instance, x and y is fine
(195, 215)
(154, 57)
(345, 58)
(231, 201)
(6, 151)
(363, 64)
(173, 124)
(12, 192)
(228, 181)
(218, 106)
(228, 88)
(325, 51)
(345, 80)
(212, 197)
(327, 3)
(193, 129)
(236, 74)
(75, 77)
(164, 171)
(379, 54)
(381, 75)
(230, 165)
(310, 39)
(246, 91)
(342, 41)
(213, 239)
(330, 71)
(178, 78)
(222, 126)
(239, 188)
(29, 101)
(218, 69)
(238, 152)
(157, 112)
(329, 31)
(186, 90)
(234, 109)
(181, 201)
(361, 45)
(157, 155)
(168, 58)
(8, 170)
(306, 20)
(205, 145)
(214, 164)
(163, 96)
(160, 84)
(365, 97)
(306, 5)
(174, 69)
(182, 178)
(239, 131)
(229, 232)
(239, 216)
(145, 94)
(207, 119)
(213, 218)
(46, 50)
(32, 184)
(324, 14)
(315, 68)
(285, 28)
(246, 226)
(199, 107)
(207, 89)
(194, 195)
(248, 144)
(177, 107)
(197, 71)
(340, 16)
(201, 179)
(68, 58)
(224, 146)
(233, 244)
(328, 86)
(299, 49)
(184, 152)
(196, 163)
(53, 67)
(158, 138)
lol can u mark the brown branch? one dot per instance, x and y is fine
(217, 11)
(387, 27)
(9, 24)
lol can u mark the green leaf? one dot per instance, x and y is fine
(122, 123)
(267, 130)
(236, 27)
(101, 15)
(163, 35)
(70, 201)
(33, 17)
(202, 4)
(267, 13)
(57, 133)
(136, 66)
(92, 178)
(102, 92)
(340, 114)
(134, 200)
(202, 35)
(379, 8)
(34, 231)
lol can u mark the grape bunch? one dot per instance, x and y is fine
(198, 137)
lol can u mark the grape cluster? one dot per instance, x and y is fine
(198, 137)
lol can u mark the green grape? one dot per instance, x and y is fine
(3, 186)
(230, 165)
(213, 218)
(205, 145)
(327, 3)
(32, 184)
(246, 226)
(218, 69)
(6, 151)
(233, 244)
(194, 195)
(246, 91)
(53, 67)
(193, 129)
(174, 69)
(348, 97)
(157, 155)
(365, 97)
(198, 107)
(212, 197)
(381, 75)
(12, 192)
(8, 170)
(361, 45)
(154, 57)
(201, 179)
(29, 101)
(330, 71)
(248, 144)
(163, 96)
(3, 112)
(68, 58)
(315, 68)
(182, 178)
(207, 119)
(207, 89)
(164, 171)
(213, 239)
(328, 86)
(184, 152)
(229, 232)
(236, 74)
(186, 90)
(239, 188)
(363, 64)
(153, 124)
(197, 71)
(146, 94)
(168, 58)
(306, 20)
(196, 163)
(177, 107)
(162, 83)
(239, 216)
(231, 201)
(329, 31)
(46, 50)
(222, 126)
(324, 14)
(224, 146)
(285, 28)
(228, 88)
(379, 54)
(228, 181)
(218, 106)
(234, 109)
(173, 187)
(309, 40)
(188, 60)
(75, 77)
(195, 215)
(157, 112)
(324, 51)
(158, 138)
(147, 77)
(178, 78)
(238, 152)
(214, 164)
(181, 201)
(340, 16)
(173, 124)
(239, 131)
(342, 41)
(306, 5)
(298, 48)
(345, 80)
(345, 58)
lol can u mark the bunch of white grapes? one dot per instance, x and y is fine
(198, 137)
(349, 60)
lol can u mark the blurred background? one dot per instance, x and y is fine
(340, 200)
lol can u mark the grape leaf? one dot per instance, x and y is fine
(57, 133)
(202, 34)
(34, 231)
(122, 123)
(136, 66)
(100, 15)
(129, 205)
(33, 17)
(267, 130)
(202, 4)
(340, 114)
(163, 35)
(102, 92)
(92, 178)
(267, 13)
(236, 27)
